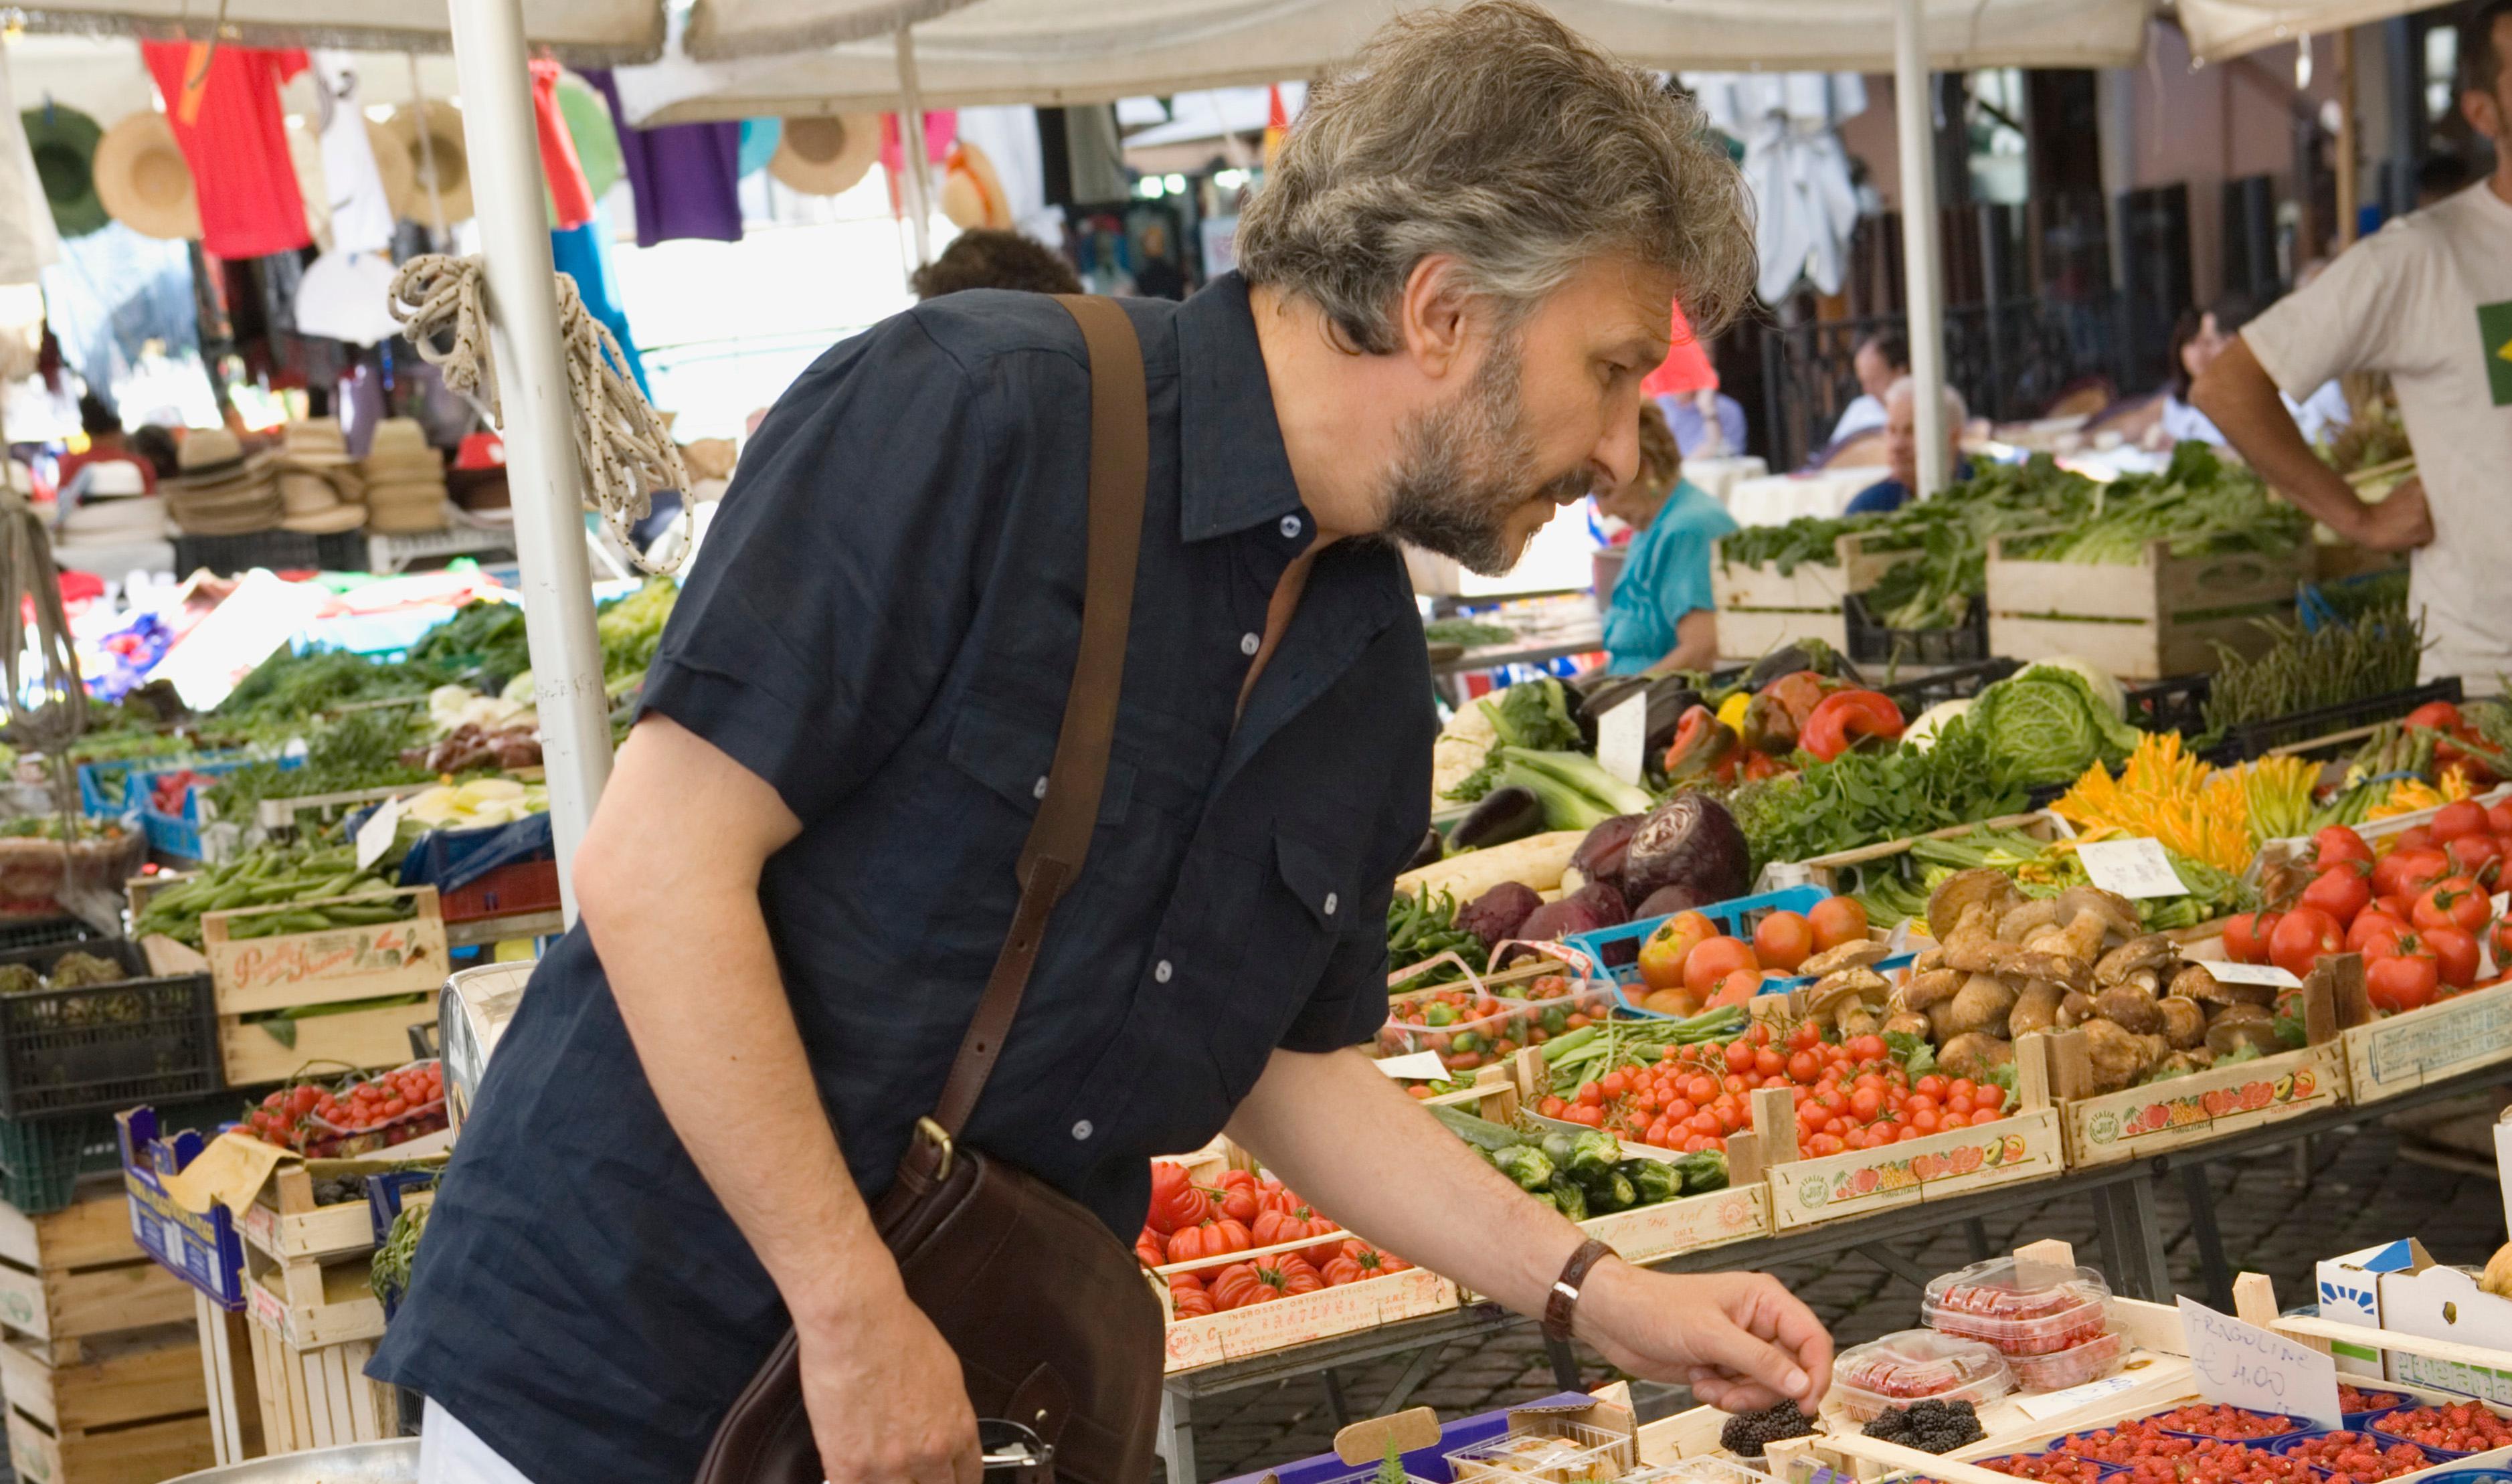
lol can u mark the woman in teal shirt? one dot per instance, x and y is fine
(1661, 616)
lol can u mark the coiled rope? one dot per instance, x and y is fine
(621, 443)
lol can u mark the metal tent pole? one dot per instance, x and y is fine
(914, 184)
(1913, 111)
(540, 416)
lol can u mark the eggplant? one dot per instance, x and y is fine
(1432, 851)
(1504, 815)
(1691, 841)
(1669, 698)
(1802, 654)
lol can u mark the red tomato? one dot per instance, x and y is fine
(2337, 844)
(2302, 937)
(2455, 955)
(1735, 988)
(1837, 920)
(2397, 905)
(2499, 817)
(2408, 871)
(1867, 1048)
(2342, 893)
(2370, 925)
(2479, 857)
(2454, 901)
(1709, 964)
(2413, 837)
(2454, 820)
(1782, 940)
(2401, 982)
(2246, 935)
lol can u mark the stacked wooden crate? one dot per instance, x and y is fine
(99, 1364)
(315, 1319)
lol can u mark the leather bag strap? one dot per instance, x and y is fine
(1059, 836)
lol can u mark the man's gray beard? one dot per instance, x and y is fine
(1466, 466)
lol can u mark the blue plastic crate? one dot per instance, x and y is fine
(1735, 917)
(179, 835)
(204, 1250)
(97, 801)
(1428, 1462)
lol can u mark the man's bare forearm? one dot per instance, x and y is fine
(673, 911)
(2239, 397)
(1337, 1130)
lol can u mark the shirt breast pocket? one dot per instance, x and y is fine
(1011, 752)
(1302, 901)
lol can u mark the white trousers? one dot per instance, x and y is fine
(449, 1452)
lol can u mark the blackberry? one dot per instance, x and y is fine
(1747, 1431)
(1931, 1425)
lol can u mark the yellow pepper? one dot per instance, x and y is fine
(1731, 713)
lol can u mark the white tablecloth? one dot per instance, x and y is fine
(1776, 499)
(1718, 476)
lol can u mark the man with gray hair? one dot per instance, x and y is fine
(1901, 448)
(801, 874)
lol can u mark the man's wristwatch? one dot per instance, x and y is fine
(1563, 1302)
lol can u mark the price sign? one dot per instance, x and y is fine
(1622, 737)
(2132, 868)
(2249, 973)
(376, 835)
(2242, 1365)
(1418, 1067)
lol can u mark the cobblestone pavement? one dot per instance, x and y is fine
(2279, 1213)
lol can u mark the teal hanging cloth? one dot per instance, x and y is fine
(758, 138)
(583, 253)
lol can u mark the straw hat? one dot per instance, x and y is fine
(452, 161)
(143, 181)
(222, 490)
(394, 168)
(63, 140)
(972, 193)
(822, 156)
(315, 441)
(407, 507)
(319, 490)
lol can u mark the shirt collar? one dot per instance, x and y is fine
(1232, 471)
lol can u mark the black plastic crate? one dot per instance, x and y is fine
(2178, 704)
(277, 550)
(1959, 683)
(45, 932)
(109, 1046)
(43, 1159)
(2256, 739)
(1873, 644)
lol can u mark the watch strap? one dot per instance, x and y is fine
(1563, 1301)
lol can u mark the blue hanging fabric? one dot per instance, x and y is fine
(583, 253)
(758, 138)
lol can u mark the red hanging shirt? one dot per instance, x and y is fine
(570, 194)
(234, 137)
(1686, 367)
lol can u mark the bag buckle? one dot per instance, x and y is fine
(941, 1139)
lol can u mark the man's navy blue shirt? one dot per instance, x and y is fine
(882, 624)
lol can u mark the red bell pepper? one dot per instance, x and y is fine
(1844, 718)
(1702, 748)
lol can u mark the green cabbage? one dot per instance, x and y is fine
(2046, 726)
(2104, 686)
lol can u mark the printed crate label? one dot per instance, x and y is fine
(1366, 1304)
(2408, 1050)
(2020, 1147)
(2106, 1127)
(1685, 1224)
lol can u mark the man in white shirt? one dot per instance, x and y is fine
(1882, 359)
(2428, 300)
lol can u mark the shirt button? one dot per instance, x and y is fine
(1291, 528)
(1081, 1130)
(1332, 901)
(1249, 644)
(1162, 971)
(1038, 790)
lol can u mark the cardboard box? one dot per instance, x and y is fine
(2437, 1302)
(2350, 1292)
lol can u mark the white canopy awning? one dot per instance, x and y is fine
(584, 31)
(1052, 52)
(2219, 29)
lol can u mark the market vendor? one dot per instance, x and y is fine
(1901, 448)
(1662, 617)
(803, 869)
(2429, 300)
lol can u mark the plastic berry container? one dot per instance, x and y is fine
(2269, 1426)
(2381, 1431)
(1913, 1364)
(2050, 1465)
(2308, 1446)
(2023, 1309)
(2075, 1366)
(2376, 1402)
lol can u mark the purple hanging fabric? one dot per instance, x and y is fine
(685, 177)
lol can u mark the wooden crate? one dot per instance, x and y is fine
(2400, 1053)
(1844, 870)
(1747, 633)
(364, 1039)
(287, 970)
(2162, 615)
(1215, 1338)
(319, 1397)
(1809, 586)
(313, 1305)
(132, 1410)
(75, 1274)
(2024, 1145)
(285, 1225)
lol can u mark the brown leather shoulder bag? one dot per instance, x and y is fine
(1054, 1325)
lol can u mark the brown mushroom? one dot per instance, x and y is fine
(1907, 1023)
(2093, 917)
(2036, 1008)
(1858, 954)
(1982, 1004)
(2149, 955)
(1840, 988)
(1973, 952)
(2132, 1007)
(2119, 1056)
(2023, 922)
(1859, 1018)
(2184, 1021)
(2193, 982)
(1929, 988)
(1982, 886)
(2199, 985)
(2075, 1009)
(2237, 1026)
(1975, 1054)
(2060, 969)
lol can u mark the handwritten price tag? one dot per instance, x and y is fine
(2249, 973)
(1622, 738)
(2242, 1365)
(376, 835)
(2132, 868)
